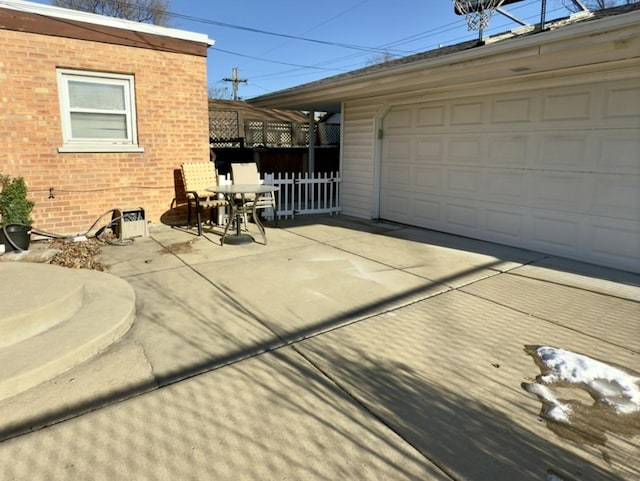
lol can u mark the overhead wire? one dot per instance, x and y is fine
(443, 29)
(386, 49)
(330, 64)
(324, 22)
(272, 61)
(274, 34)
(299, 67)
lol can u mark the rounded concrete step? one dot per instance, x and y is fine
(105, 314)
(31, 303)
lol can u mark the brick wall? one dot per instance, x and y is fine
(172, 122)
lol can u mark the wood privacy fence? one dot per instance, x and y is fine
(301, 194)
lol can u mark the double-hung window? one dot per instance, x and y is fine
(97, 111)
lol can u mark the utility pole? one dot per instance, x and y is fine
(235, 81)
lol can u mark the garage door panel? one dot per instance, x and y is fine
(554, 170)
(467, 113)
(399, 118)
(428, 179)
(619, 152)
(431, 116)
(617, 194)
(430, 149)
(428, 212)
(616, 239)
(465, 182)
(623, 102)
(396, 206)
(511, 110)
(398, 149)
(462, 215)
(464, 149)
(509, 150)
(505, 225)
(398, 176)
(507, 187)
(568, 105)
(561, 191)
(550, 231)
(568, 150)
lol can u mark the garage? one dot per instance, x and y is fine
(553, 169)
(530, 138)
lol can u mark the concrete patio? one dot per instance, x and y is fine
(342, 350)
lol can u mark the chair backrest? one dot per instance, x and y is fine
(198, 176)
(245, 173)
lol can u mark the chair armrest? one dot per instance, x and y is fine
(210, 202)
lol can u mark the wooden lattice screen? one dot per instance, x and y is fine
(224, 127)
(300, 133)
(255, 132)
(225, 130)
(276, 134)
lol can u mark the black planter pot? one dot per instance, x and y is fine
(15, 237)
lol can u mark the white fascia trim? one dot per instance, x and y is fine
(67, 14)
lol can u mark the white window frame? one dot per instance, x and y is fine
(70, 144)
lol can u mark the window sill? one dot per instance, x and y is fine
(97, 148)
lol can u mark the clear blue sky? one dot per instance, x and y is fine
(347, 35)
(270, 62)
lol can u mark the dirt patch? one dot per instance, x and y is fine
(178, 248)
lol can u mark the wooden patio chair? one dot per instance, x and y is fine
(247, 173)
(197, 177)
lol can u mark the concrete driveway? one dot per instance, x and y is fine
(343, 349)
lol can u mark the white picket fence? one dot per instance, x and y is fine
(301, 194)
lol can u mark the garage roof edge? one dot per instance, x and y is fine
(461, 52)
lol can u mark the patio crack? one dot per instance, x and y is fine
(344, 389)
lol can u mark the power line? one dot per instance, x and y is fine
(272, 61)
(275, 34)
(389, 48)
(324, 22)
(256, 30)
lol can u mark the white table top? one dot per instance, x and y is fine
(243, 189)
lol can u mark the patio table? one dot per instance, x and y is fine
(236, 196)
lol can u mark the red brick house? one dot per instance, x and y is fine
(97, 112)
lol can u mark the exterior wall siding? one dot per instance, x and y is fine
(358, 150)
(172, 123)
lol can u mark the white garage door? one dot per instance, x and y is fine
(555, 170)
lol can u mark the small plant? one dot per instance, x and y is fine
(15, 208)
